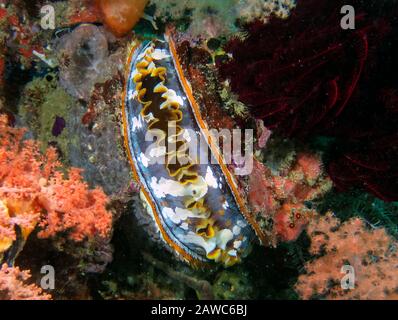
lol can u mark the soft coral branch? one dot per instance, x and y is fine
(70, 205)
(371, 252)
(13, 285)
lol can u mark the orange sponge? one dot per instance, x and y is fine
(120, 16)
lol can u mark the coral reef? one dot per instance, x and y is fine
(19, 34)
(37, 197)
(90, 135)
(276, 52)
(209, 13)
(31, 183)
(277, 192)
(371, 252)
(305, 81)
(13, 285)
(84, 214)
(281, 190)
(215, 18)
(148, 272)
(262, 10)
(322, 103)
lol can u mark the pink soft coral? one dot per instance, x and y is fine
(13, 285)
(72, 206)
(277, 198)
(372, 254)
(35, 192)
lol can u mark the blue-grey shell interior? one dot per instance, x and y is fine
(218, 196)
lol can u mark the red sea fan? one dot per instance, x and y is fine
(299, 74)
(370, 165)
(306, 76)
(366, 152)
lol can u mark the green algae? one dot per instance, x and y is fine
(43, 100)
(233, 285)
(354, 203)
(232, 105)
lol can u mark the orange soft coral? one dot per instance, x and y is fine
(277, 198)
(13, 285)
(83, 210)
(34, 192)
(371, 252)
